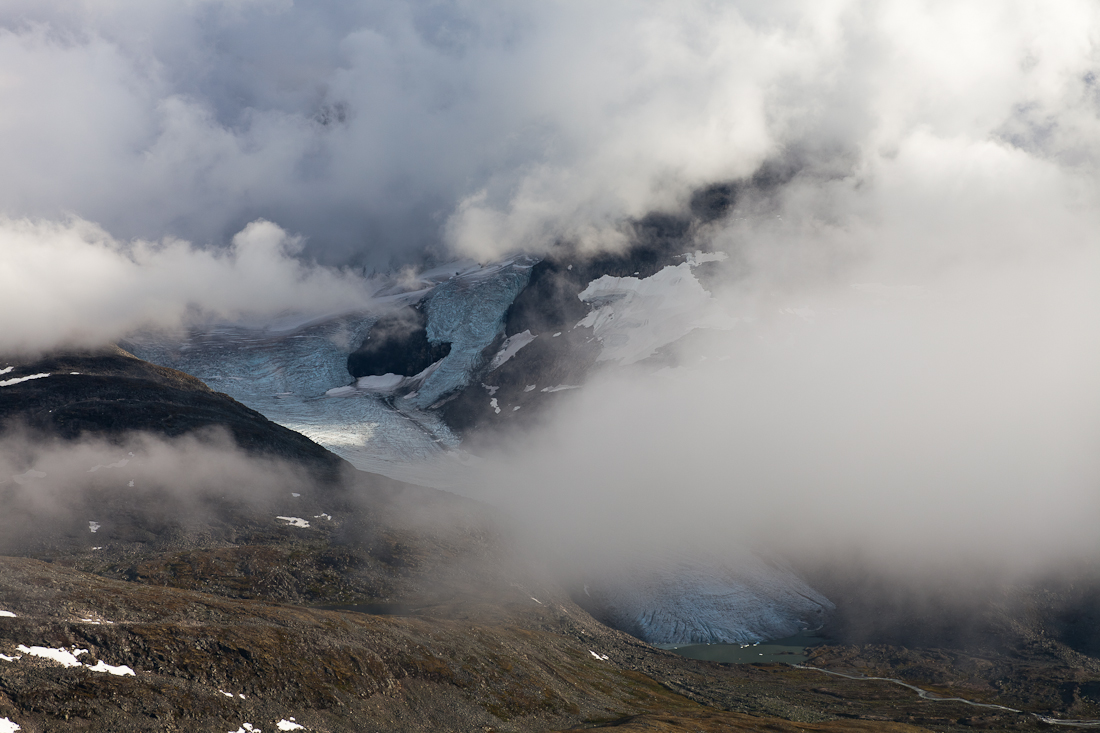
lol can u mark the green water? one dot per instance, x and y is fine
(791, 650)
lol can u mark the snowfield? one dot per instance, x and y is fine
(634, 317)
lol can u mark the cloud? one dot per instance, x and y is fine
(90, 490)
(940, 157)
(73, 284)
(379, 130)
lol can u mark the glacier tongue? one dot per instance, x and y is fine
(298, 376)
(299, 379)
(468, 312)
(739, 601)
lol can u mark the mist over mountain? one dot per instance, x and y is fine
(733, 320)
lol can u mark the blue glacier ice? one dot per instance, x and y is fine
(742, 599)
(296, 374)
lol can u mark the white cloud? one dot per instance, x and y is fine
(72, 283)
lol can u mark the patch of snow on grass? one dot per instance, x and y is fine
(493, 404)
(122, 670)
(97, 621)
(529, 387)
(246, 728)
(295, 521)
(289, 725)
(61, 656)
(7, 726)
(93, 527)
(6, 658)
(227, 694)
(5, 370)
(516, 408)
(17, 380)
(295, 495)
(511, 347)
(601, 657)
(322, 515)
(7, 614)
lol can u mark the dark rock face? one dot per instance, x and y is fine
(113, 392)
(398, 344)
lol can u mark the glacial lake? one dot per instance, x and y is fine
(791, 650)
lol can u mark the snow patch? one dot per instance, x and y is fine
(511, 347)
(62, 656)
(601, 657)
(7, 726)
(322, 516)
(93, 527)
(493, 404)
(560, 388)
(529, 387)
(6, 658)
(246, 728)
(634, 317)
(5, 370)
(7, 614)
(17, 380)
(492, 390)
(120, 671)
(295, 522)
(289, 725)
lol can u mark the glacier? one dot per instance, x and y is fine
(294, 371)
(708, 599)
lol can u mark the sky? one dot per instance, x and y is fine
(916, 296)
(377, 134)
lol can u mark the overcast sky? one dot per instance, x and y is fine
(918, 302)
(372, 133)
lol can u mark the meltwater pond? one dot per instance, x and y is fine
(792, 650)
